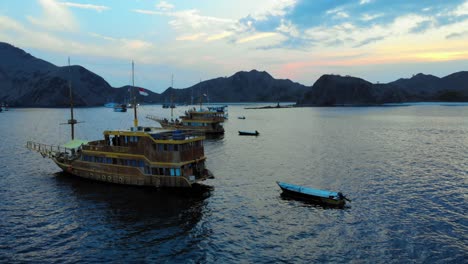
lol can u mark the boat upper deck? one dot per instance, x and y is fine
(158, 135)
(157, 145)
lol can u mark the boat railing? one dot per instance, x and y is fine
(106, 148)
(154, 118)
(48, 150)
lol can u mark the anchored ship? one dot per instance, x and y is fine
(141, 156)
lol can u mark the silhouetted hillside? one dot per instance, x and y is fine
(29, 81)
(338, 90)
(421, 87)
(331, 90)
(252, 86)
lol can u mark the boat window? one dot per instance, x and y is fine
(171, 147)
(176, 147)
(109, 160)
(177, 172)
(154, 171)
(165, 147)
(141, 163)
(126, 139)
(172, 172)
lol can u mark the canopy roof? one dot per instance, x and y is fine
(74, 143)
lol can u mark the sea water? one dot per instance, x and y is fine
(404, 167)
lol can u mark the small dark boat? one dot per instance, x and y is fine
(241, 117)
(313, 195)
(120, 108)
(248, 133)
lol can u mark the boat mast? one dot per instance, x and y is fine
(200, 95)
(192, 97)
(172, 96)
(135, 120)
(72, 121)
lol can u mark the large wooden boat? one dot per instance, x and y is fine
(222, 109)
(202, 120)
(313, 195)
(141, 156)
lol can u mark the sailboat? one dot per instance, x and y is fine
(141, 156)
(202, 120)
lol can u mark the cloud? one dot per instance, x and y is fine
(147, 12)
(98, 8)
(257, 37)
(461, 10)
(55, 17)
(337, 13)
(275, 8)
(164, 6)
(457, 35)
(369, 17)
(288, 28)
(103, 37)
(368, 41)
(219, 36)
(190, 25)
(190, 37)
(191, 19)
(363, 2)
(422, 26)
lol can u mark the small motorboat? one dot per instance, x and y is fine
(120, 108)
(336, 199)
(241, 117)
(248, 133)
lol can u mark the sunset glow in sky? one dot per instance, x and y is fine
(377, 40)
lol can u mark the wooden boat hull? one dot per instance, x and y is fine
(128, 176)
(332, 200)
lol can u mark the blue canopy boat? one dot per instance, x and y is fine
(248, 133)
(314, 195)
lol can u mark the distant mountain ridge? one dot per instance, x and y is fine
(332, 90)
(31, 82)
(27, 81)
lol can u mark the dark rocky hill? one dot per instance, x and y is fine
(331, 90)
(252, 86)
(29, 81)
(338, 90)
(421, 87)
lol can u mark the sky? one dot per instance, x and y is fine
(380, 41)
